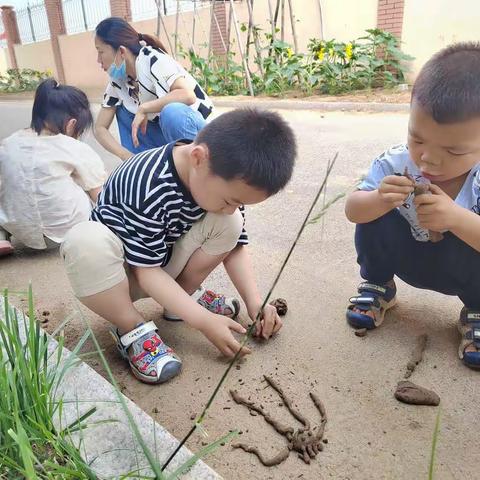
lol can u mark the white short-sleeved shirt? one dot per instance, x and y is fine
(395, 160)
(156, 73)
(43, 184)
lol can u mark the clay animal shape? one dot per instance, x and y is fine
(307, 441)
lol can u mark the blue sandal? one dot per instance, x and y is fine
(469, 327)
(373, 298)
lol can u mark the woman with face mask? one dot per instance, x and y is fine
(153, 98)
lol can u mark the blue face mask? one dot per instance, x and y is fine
(117, 73)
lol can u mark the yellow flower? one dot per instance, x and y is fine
(289, 52)
(321, 54)
(209, 90)
(348, 51)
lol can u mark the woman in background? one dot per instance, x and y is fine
(154, 99)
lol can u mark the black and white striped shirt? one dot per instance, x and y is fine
(147, 206)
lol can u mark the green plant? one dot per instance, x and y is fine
(368, 62)
(21, 80)
(218, 76)
(330, 67)
(30, 444)
(283, 70)
(436, 433)
(31, 371)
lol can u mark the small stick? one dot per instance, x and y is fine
(240, 49)
(417, 355)
(177, 17)
(294, 30)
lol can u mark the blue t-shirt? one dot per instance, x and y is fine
(395, 160)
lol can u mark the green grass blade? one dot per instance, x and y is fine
(202, 453)
(436, 433)
(25, 450)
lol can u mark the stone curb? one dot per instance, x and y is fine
(110, 448)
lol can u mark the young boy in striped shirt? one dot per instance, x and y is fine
(165, 220)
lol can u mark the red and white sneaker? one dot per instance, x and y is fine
(150, 360)
(213, 302)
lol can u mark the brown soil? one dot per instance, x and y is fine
(417, 355)
(378, 96)
(408, 392)
(281, 305)
(360, 332)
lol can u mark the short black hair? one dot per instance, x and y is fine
(56, 104)
(448, 85)
(256, 146)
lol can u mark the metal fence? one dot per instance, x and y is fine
(3, 38)
(145, 9)
(33, 23)
(84, 15)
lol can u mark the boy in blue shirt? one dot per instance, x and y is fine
(165, 219)
(393, 233)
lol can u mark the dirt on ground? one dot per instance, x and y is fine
(380, 95)
(370, 434)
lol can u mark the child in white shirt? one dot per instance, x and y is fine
(48, 178)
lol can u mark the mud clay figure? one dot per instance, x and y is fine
(408, 392)
(281, 305)
(306, 440)
(420, 189)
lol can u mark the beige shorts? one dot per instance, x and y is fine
(95, 260)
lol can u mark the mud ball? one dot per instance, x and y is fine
(281, 305)
(408, 392)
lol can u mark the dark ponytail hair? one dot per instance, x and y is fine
(56, 104)
(116, 31)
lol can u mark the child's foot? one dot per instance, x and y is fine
(368, 309)
(469, 327)
(213, 302)
(151, 361)
(5, 248)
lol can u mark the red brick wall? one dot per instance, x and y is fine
(9, 19)
(218, 29)
(122, 9)
(390, 16)
(56, 23)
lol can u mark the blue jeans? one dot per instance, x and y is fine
(386, 247)
(176, 121)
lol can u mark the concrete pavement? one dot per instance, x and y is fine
(370, 434)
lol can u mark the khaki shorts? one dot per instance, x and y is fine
(95, 260)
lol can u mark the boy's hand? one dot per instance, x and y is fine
(395, 189)
(437, 212)
(269, 323)
(218, 329)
